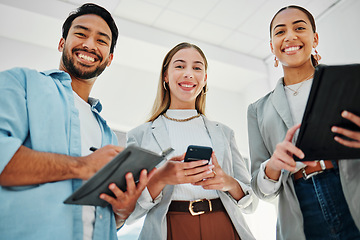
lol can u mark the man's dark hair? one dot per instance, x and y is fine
(90, 8)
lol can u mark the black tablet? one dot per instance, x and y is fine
(335, 89)
(132, 159)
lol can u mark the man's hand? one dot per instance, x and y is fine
(123, 204)
(92, 163)
(28, 166)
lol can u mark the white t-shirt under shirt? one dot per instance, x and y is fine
(181, 135)
(90, 137)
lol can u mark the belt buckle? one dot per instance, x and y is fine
(307, 176)
(191, 210)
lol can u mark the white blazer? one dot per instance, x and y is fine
(154, 136)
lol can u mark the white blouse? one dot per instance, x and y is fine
(183, 134)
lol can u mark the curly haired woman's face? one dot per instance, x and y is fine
(293, 38)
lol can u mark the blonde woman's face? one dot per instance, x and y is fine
(186, 77)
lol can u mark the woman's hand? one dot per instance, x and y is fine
(282, 157)
(347, 133)
(219, 180)
(175, 171)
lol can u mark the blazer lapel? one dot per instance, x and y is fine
(278, 99)
(160, 133)
(161, 136)
(216, 138)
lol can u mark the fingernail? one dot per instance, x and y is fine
(205, 161)
(334, 129)
(102, 196)
(112, 186)
(345, 113)
(211, 166)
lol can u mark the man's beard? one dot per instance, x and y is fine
(80, 72)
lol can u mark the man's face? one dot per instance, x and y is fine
(86, 50)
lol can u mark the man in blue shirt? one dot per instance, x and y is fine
(47, 124)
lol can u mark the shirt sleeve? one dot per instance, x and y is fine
(247, 200)
(145, 200)
(267, 186)
(13, 114)
(248, 203)
(143, 205)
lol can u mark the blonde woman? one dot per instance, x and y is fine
(178, 120)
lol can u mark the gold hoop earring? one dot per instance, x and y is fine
(276, 62)
(164, 84)
(317, 56)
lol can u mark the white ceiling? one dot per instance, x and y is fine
(234, 33)
(237, 25)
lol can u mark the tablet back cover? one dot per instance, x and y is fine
(334, 89)
(132, 159)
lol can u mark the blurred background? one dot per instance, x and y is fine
(234, 34)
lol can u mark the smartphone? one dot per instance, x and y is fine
(194, 153)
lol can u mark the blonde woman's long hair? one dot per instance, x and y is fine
(162, 99)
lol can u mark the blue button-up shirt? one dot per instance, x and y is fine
(37, 111)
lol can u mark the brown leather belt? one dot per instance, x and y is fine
(308, 171)
(197, 207)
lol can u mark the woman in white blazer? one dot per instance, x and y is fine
(326, 205)
(177, 121)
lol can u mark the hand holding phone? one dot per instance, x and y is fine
(195, 153)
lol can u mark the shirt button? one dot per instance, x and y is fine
(100, 216)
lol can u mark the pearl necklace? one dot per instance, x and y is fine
(296, 92)
(181, 120)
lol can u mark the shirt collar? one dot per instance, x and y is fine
(61, 75)
(95, 104)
